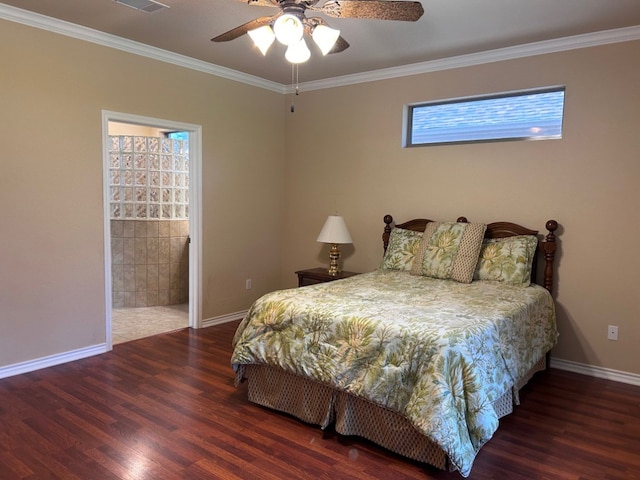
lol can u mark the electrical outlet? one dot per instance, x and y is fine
(612, 332)
(247, 284)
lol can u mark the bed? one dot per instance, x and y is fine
(421, 356)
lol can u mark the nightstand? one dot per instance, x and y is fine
(319, 275)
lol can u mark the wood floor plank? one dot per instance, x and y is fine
(12, 467)
(165, 408)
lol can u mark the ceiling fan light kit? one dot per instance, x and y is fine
(289, 30)
(290, 24)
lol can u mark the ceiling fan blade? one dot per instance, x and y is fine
(373, 9)
(242, 29)
(261, 3)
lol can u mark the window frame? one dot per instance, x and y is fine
(408, 117)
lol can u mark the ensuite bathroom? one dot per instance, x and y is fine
(149, 223)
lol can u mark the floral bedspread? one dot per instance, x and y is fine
(436, 351)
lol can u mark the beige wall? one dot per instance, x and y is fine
(52, 92)
(344, 155)
(265, 169)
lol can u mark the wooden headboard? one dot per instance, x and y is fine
(546, 245)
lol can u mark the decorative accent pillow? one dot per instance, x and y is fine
(449, 251)
(402, 248)
(507, 260)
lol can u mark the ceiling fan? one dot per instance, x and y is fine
(290, 24)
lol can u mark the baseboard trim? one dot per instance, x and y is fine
(598, 372)
(229, 317)
(52, 360)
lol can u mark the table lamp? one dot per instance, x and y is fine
(334, 232)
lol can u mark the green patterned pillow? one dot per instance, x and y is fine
(402, 248)
(449, 251)
(507, 260)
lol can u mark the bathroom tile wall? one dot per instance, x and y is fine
(149, 262)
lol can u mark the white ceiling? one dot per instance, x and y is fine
(448, 28)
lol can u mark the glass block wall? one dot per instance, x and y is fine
(148, 178)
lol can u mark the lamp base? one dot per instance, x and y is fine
(334, 256)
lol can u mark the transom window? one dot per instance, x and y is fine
(526, 115)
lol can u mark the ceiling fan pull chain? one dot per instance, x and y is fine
(293, 108)
(294, 79)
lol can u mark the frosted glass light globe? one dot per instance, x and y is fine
(325, 37)
(262, 37)
(298, 52)
(288, 29)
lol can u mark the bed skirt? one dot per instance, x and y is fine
(319, 404)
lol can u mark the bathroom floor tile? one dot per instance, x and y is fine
(133, 323)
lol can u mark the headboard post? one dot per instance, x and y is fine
(549, 250)
(388, 220)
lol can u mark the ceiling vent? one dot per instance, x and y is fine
(148, 6)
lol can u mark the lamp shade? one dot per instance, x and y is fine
(334, 231)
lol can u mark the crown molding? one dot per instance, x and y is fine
(490, 56)
(520, 51)
(69, 29)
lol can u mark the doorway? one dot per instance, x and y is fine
(152, 225)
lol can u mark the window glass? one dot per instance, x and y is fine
(531, 115)
(178, 135)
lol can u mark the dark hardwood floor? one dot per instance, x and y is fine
(165, 408)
